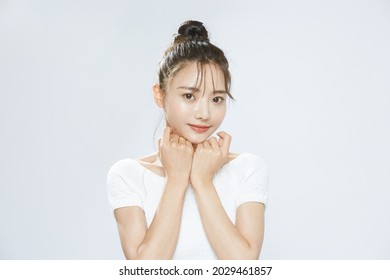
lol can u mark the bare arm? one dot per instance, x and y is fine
(160, 239)
(240, 241)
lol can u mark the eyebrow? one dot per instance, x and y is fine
(194, 89)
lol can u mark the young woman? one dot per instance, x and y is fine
(192, 199)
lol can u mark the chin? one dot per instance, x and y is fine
(197, 139)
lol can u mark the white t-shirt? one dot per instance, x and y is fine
(243, 179)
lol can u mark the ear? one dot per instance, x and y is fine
(158, 95)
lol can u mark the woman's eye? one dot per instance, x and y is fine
(218, 99)
(188, 96)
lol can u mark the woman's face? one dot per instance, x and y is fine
(195, 103)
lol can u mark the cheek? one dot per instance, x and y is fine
(177, 111)
(220, 114)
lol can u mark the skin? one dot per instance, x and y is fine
(188, 156)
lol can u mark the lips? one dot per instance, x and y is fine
(199, 128)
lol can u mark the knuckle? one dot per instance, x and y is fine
(188, 148)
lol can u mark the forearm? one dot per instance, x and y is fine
(161, 237)
(224, 237)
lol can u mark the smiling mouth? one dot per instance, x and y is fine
(199, 128)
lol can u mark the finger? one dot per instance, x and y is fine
(224, 141)
(174, 131)
(175, 138)
(206, 144)
(182, 141)
(199, 146)
(166, 134)
(159, 148)
(188, 143)
(214, 143)
(220, 140)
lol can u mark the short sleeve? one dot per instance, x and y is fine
(124, 185)
(254, 186)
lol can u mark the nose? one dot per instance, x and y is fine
(202, 111)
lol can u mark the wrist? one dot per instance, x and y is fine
(178, 179)
(201, 182)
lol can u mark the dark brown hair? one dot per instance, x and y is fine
(191, 44)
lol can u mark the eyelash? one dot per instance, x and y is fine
(221, 99)
(189, 94)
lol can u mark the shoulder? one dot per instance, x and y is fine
(246, 160)
(241, 164)
(245, 164)
(125, 175)
(153, 164)
(125, 184)
(125, 167)
(251, 171)
(133, 167)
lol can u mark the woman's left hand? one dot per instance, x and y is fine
(209, 157)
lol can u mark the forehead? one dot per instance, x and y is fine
(199, 75)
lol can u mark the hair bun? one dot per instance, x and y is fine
(192, 31)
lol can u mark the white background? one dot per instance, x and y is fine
(311, 79)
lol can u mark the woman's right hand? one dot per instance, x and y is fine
(176, 155)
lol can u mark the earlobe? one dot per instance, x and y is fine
(158, 95)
